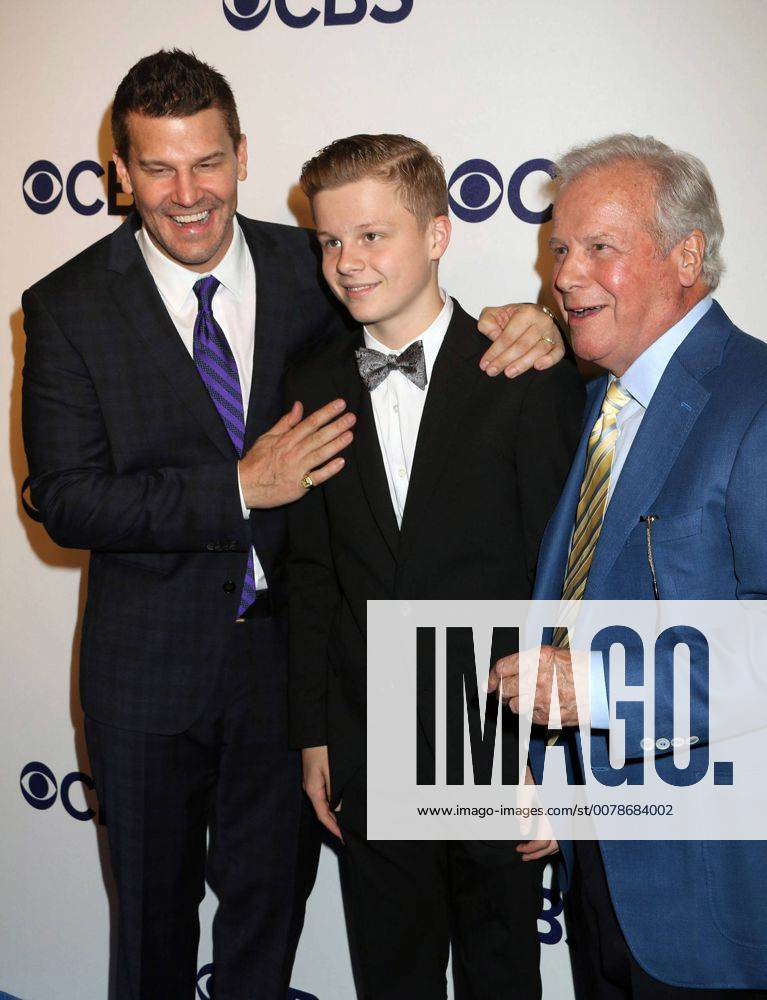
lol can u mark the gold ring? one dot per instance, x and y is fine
(307, 482)
(551, 341)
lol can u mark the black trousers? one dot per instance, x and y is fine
(407, 902)
(603, 966)
(160, 796)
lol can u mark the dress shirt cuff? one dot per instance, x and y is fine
(245, 510)
(599, 705)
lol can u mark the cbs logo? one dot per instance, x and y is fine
(43, 188)
(550, 915)
(40, 788)
(475, 190)
(245, 15)
(206, 987)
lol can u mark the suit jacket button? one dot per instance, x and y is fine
(211, 546)
(229, 586)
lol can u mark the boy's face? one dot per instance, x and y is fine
(378, 259)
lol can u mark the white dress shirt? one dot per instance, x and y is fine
(398, 406)
(234, 308)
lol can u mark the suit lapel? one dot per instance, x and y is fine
(671, 415)
(142, 307)
(365, 449)
(675, 406)
(454, 377)
(271, 265)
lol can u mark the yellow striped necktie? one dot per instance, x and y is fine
(592, 503)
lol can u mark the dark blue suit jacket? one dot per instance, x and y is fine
(129, 458)
(694, 913)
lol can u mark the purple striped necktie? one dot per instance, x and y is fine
(215, 363)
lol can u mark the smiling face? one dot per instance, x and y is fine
(616, 289)
(379, 260)
(183, 174)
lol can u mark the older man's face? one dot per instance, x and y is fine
(616, 290)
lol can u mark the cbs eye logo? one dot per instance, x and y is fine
(43, 188)
(245, 15)
(206, 987)
(475, 190)
(40, 789)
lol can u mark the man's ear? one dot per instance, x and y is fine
(690, 257)
(122, 172)
(440, 228)
(242, 158)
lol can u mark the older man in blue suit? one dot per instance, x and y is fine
(677, 428)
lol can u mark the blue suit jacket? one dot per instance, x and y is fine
(693, 913)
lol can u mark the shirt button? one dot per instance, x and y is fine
(663, 743)
(402, 473)
(395, 407)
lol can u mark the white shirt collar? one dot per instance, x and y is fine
(641, 378)
(431, 337)
(175, 282)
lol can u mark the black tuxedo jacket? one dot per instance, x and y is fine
(489, 465)
(129, 458)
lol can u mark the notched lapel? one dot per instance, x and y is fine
(142, 307)
(365, 451)
(455, 375)
(671, 415)
(271, 265)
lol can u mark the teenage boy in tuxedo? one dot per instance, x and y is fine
(445, 493)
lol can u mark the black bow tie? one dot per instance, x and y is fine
(375, 367)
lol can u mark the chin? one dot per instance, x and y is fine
(190, 254)
(360, 314)
(588, 348)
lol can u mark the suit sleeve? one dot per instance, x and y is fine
(747, 513)
(314, 596)
(548, 431)
(83, 501)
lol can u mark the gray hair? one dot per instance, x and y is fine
(685, 198)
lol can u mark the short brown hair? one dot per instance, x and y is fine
(176, 84)
(408, 163)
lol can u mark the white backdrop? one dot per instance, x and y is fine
(506, 81)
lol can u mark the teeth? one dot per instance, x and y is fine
(198, 217)
(586, 309)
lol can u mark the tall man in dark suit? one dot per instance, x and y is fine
(445, 494)
(136, 411)
(636, 237)
(152, 392)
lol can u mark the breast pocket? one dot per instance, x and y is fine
(667, 529)
(676, 553)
